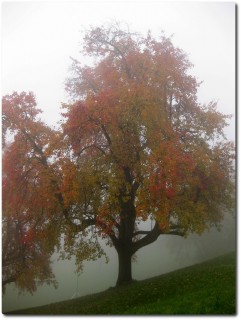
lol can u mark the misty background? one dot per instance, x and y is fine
(168, 253)
(38, 39)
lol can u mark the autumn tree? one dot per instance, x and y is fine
(27, 237)
(135, 145)
(142, 146)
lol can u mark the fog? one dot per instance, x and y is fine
(168, 253)
(39, 37)
(37, 40)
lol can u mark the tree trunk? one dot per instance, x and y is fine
(124, 273)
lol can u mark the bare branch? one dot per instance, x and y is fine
(140, 232)
(78, 227)
(152, 235)
(92, 146)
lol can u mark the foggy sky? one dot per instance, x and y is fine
(38, 39)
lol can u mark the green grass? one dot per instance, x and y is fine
(208, 288)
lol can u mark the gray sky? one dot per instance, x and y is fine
(39, 37)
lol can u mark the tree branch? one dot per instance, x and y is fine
(114, 240)
(9, 280)
(39, 150)
(92, 146)
(119, 52)
(152, 236)
(106, 135)
(148, 239)
(175, 233)
(174, 229)
(140, 232)
(78, 227)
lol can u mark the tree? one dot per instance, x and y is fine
(134, 146)
(27, 238)
(146, 147)
(25, 260)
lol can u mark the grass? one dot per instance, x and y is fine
(207, 288)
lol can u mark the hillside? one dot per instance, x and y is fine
(206, 288)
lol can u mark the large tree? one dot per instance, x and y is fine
(135, 145)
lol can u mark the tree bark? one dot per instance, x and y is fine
(125, 271)
(127, 248)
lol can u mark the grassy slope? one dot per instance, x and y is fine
(206, 288)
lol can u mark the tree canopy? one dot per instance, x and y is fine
(28, 199)
(134, 145)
